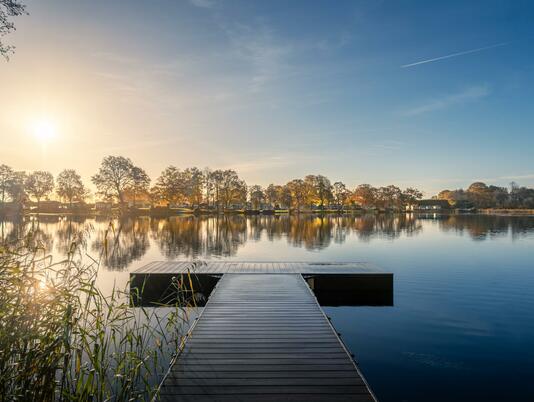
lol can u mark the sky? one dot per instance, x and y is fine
(414, 93)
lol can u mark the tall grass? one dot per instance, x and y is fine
(62, 339)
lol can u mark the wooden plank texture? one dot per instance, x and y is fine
(219, 268)
(264, 338)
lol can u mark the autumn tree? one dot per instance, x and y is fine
(232, 189)
(499, 196)
(448, 196)
(257, 196)
(169, 186)
(271, 194)
(16, 188)
(411, 196)
(298, 191)
(276, 195)
(284, 197)
(365, 195)
(6, 178)
(388, 197)
(521, 197)
(319, 190)
(479, 194)
(70, 187)
(114, 177)
(214, 181)
(194, 181)
(39, 184)
(12, 185)
(208, 186)
(140, 183)
(340, 193)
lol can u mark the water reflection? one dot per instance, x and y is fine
(126, 242)
(192, 236)
(42, 235)
(189, 237)
(71, 231)
(482, 227)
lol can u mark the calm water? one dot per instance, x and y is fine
(462, 324)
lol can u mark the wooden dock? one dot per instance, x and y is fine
(230, 267)
(262, 338)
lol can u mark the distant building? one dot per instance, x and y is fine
(139, 204)
(428, 205)
(48, 206)
(103, 206)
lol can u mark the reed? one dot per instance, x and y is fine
(62, 339)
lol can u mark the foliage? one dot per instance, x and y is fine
(120, 180)
(298, 191)
(480, 195)
(7, 175)
(39, 184)
(62, 339)
(319, 190)
(340, 194)
(8, 9)
(257, 196)
(115, 177)
(140, 183)
(169, 186)
(194, 186)
(70, 186)
(232, 189)
(16, 189)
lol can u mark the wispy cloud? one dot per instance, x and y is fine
(261, 50)
(380, 148)
(267, 162)
(479, 49)
(468, 94)
(203, 3)
(518, 177)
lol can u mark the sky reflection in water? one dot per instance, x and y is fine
(461, 327)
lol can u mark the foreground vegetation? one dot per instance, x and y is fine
(62, 339)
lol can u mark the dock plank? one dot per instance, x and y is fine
(264, 338)
(267, 267)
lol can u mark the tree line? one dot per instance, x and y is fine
(481, 195)
(18, 187)
(118, 180)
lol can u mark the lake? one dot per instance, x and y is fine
(462, 324)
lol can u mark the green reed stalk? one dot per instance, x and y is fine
(62, 339)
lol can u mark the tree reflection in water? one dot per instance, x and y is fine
(222, 236)
(482, 227)
(127, 242)
(190, 236)
(71, 230)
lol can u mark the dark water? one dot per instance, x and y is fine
(462, 324)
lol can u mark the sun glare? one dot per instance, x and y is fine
(44, 130)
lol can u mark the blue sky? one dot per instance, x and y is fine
(279, 89)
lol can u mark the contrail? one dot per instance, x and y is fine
(455, 54)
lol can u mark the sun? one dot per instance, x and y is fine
(44, 130)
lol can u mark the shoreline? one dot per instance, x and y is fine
(184, 212)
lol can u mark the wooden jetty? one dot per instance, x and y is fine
(262, 336)
(240, 267)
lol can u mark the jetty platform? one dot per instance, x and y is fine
(262, 336)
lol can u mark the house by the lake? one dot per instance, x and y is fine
(428, 205)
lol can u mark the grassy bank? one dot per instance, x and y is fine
(62, 339)
(504, 211)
